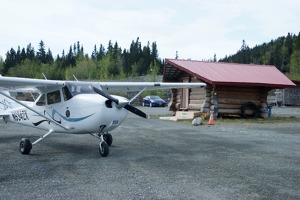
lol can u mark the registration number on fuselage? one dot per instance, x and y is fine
(20, 116)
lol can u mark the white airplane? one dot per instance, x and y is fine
(75, 107)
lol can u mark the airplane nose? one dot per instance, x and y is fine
(121, 102)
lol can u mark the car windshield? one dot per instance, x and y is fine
(155, 97)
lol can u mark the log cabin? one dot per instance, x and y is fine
(232, 89)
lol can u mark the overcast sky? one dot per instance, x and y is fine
(197, 29)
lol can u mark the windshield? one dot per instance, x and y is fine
(79, 88)
(155, 97)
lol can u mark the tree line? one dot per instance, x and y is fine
(283, 52)
(111, 62)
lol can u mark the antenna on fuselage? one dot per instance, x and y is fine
(75, 77)
(44, 76)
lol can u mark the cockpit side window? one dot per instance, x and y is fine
(53, 97)
(66, 93)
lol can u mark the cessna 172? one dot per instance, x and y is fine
(75, 107)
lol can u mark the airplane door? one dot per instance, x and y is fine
(55, 105)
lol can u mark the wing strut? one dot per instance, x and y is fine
(138, 94)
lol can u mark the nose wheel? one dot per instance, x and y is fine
(103, 147)
(108, 138)
(105, 140)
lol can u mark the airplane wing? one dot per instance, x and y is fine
(12, 83)
(138, 86)
(50, 85)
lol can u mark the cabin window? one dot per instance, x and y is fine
(41, 101)
(24, 95)
(53, 97)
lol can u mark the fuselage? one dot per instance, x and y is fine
(79, 114)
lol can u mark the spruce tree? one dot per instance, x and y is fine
(41, 54)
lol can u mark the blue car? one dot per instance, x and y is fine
(152, 101)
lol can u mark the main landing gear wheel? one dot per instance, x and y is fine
(103, 149)
(25, 146)
(108, 138)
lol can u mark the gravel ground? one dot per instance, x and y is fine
(156, 159)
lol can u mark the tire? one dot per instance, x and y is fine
(108, 139)
(248, 106)
(104, 149)
(25, 146)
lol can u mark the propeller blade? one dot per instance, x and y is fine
(127, 106)
(136, 111)
(106, 95)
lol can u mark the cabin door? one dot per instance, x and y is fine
(185, 96)
(55, 106)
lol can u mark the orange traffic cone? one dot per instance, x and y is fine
(211, 118)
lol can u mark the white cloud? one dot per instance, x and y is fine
(196, 29)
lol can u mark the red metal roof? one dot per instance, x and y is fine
(229, 73)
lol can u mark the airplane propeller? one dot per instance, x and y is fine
(122, 104)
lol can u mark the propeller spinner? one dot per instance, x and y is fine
(122, 104)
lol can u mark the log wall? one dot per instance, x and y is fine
(230, 99)
(197, 96)
(227, 100)
(175, 99)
